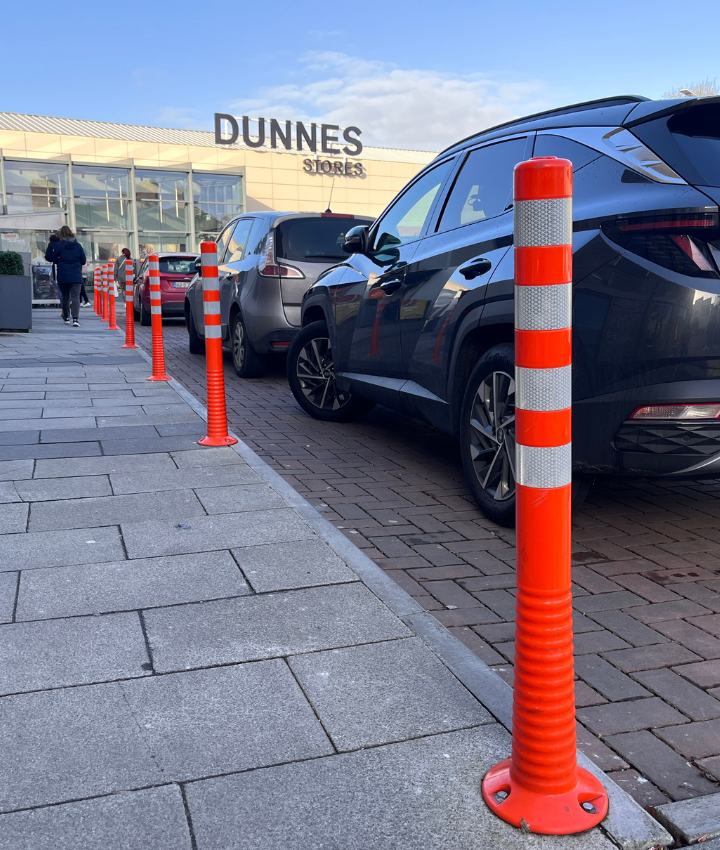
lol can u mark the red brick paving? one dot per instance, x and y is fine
(646, 573)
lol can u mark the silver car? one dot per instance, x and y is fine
(267, 261)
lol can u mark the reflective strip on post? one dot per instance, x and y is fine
(158, 351)
(129, 307)
(96, 291)
(541, 788)
(105, 305)
(217, 434)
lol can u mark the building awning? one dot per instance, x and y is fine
(32, 221)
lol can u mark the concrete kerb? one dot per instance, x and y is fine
(627, 824)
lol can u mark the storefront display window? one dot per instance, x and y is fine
(155, 244)
(217, 198)
(35, 186)
(101, 197)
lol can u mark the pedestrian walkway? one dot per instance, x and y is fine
(192, 658)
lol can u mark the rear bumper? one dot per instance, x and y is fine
(607, 441)
(275, 341)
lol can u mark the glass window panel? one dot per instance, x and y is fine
(213, 217)
(155, 243)
(101, 247)
(217, 189)
(37, 202)
(236, 245)
(99, 212)
(31, 178)
(162, 216)
(161, 185)
(91, 181)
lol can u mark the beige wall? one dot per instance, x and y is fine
(273, 180)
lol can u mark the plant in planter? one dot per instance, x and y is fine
(11, 263)
(15, 293)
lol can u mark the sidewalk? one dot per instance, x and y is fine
(193, 659)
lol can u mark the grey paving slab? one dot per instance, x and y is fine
(283, 566)
(71, 651)
(8, 592)
(151, 444)
(691, 820)
(16, 392)
(256, 627)
(127, 464)
(132, 400)
(11, 412)
(418, 794)
(72, 412)
(204, 533)
(70, 743)
(59, 548)
(19, 438)
(226, 719)
(51, 450)
(8, 493)
(37, 424)
(152, 819)
(59, 489)
(113, 510)
(208, 457)
(177, 428)
(127, 585)
(180, 479)
(80, 435)
(13, 518)
(16, 470)
(180, 413)
(243, 497)
(384, 692)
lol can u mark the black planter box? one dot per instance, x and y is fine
(15, 303)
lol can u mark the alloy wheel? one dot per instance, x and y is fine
(492, 435)
(238, 349)
(316, 374)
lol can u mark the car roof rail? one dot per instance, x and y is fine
(618, 100)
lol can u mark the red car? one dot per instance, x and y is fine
(176, 272)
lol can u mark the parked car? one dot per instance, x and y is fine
(176, 274)
(420, 317)
(266, 262)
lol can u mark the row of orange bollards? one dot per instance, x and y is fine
(104, 294)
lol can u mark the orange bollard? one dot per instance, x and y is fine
(96, 288)
(112, 292)
(217, 414)
(158, 352)
(105, 316)
(129, 308)
(541, 788)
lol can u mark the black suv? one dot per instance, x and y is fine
(420, 317)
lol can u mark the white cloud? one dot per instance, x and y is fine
(395, 107)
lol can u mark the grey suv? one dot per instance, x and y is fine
(267, 261)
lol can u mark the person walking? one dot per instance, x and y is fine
(119, 270)
(69, 258)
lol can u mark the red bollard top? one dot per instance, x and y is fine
(542, 177)
(208, 247)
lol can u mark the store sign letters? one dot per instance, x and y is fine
(290, 135)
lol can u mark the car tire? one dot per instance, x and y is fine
(196, 343)
(494, 489)
(311, 376)
(145, 317)
(247, 363)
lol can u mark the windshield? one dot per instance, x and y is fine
(688, 141)
(177, 265)
(311, 240)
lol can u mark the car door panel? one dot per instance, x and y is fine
(233, 269)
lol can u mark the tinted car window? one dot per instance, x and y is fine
(238, 241)
(484, 186)
(313, 239)
(222, 241)
(564, 148)
(177, 265)
(406, 218)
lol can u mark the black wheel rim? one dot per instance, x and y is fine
(238, 348)
(492, 435)
(316, 375)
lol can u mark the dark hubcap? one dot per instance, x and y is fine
(492, 435)
(316, 374)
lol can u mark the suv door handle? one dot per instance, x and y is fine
(390, 285)
(476, 268)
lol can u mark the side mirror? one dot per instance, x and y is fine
(356, 240)
(198, 265)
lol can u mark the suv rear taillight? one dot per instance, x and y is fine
(686, 244)
(269, 266)
(687, 412)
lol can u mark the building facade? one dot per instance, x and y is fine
(154, 189)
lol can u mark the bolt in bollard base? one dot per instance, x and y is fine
(549, 814)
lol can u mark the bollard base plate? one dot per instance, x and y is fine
(159, 378)
(548, 814)
(217, 441)
(127, 345)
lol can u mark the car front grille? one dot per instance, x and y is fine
(696, 439)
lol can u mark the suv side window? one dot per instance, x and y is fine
(222, 241)
(483, 188)
(406, 218)
(238, 241)
(559, 146)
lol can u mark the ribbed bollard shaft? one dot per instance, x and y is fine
(158, 351)
(129, 306)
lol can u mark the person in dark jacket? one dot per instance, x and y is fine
(54, 239)
(69, 257)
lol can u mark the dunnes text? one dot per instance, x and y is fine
(323, 138)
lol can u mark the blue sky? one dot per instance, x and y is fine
(416, 75)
